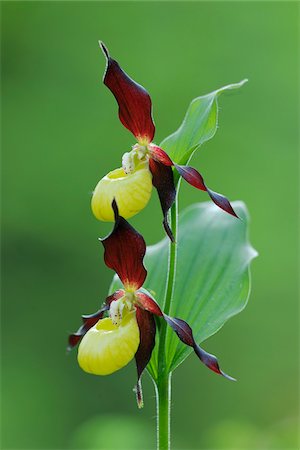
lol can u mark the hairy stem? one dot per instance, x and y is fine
(163, 399)
(163, 392)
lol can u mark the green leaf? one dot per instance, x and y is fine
(212, 276)
(199, 125)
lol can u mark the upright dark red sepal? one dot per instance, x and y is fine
(147, 327)
(124, 252)
(135, 106)
(185, 334)
(194, 178)
(163, 180)
(89, 320)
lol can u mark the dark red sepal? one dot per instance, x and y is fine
(185, 334)
(135, 106)
(147, 327)
(163, 180)
(89, 320)
(193, 177)
(124, 252)
(148, 303)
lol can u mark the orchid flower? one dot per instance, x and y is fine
(108, 344)
(146, 163)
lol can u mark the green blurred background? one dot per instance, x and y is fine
(61, 134)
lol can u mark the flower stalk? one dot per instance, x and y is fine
(163, 391)
(163, 398)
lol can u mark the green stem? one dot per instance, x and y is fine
(163, 399)
(172, 259)
(163, 391)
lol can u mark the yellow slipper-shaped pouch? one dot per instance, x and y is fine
(106, 347)
(132, 192)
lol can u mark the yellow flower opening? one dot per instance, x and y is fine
(132, 192)
(106, 347)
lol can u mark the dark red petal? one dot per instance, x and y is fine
(159, 155)
(193, 177)
(185, 334)
(89, 320)
(148, 303)
(135, 107)
(124, 252)
(147, 329)
(222, 202)
(163, 180)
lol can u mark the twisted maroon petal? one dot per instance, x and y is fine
(148, 303)
(163, 180)
(185, 334)
(124, 252)
(193, 177)
(135, 107)
(160, 155)
(147, 327)
(90, 320)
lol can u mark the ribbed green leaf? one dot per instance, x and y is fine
(212, 276)
(199, 125)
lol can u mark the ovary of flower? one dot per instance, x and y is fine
(131, 190)
(107, 347)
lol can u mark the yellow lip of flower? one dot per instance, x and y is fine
(106, 347)
(132, 191)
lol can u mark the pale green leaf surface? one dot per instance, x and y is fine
(199, 125)
(212, 276)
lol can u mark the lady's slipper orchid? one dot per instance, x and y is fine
(108, 344)
(135, 113)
